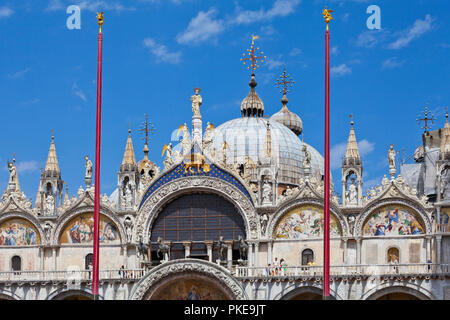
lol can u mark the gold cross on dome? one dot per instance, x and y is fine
(284, 82)
(252, 56)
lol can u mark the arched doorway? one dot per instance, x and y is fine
(305, 293)
(16, 263)
(197, 219)
(400, 293)
(71, 295)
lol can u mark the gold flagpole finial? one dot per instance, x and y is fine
(327, 16)
(100, 20)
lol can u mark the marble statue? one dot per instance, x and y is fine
(264, 220)
(49, 204)
(12, 172)
(48, 231)
(128, 197)
(391, 159)
(352, 193)
(88, 165)
(128, 228)
(196, 102)
(266, 192)
(168, 160)
(445, 179)
(307, 157)
(208, 137)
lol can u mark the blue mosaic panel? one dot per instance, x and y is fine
(178, 172)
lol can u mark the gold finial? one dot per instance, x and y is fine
(252, 57)
(284, 82)
(53, 135)
(327, 16)
(351, 120)
(100, 20)
(446, 114)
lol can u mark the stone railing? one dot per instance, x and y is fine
(345, 270)
(71, 275)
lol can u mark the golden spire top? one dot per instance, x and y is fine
(100, 20)
(284, 82)
(327, 16)
(446, 114)
(252, 56)
(351, 120)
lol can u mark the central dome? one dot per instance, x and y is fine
(247, 137)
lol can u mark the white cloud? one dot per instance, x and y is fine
(337, 152)
(371, 38)
(280, 8)
(89, 5)
(273, 63)
(295, 52)
(391, 63)
(419, 28)
(19, 74)
(201, 28)
(78, 92)
(365, 147)
(27, 166)
(335, 50)
(161, 52)
(340, 70)
(5, 12)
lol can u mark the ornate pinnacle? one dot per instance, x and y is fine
(284, 82)
(252, 56)
(100, 20)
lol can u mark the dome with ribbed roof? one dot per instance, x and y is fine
(288, 118)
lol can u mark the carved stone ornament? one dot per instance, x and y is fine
(148, 285)
(149, 210)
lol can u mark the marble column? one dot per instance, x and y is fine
(256, 255)
(55, 266)
(344, 258)
(358, 250)
(209, 248)
(125, 257)
(229, 244)
(187, 248)
(42, 257)
(428, 248)
(269, 251)
(438, 252)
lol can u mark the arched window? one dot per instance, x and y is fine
(393, 255)
(16, 263)
(307, 256)
(89, 260)
(197, 218)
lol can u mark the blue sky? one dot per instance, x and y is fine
(156, 52)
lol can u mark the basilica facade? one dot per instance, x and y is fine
(236, 212)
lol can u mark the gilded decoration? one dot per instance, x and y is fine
(305, 222)
(80, 230)
(393, 220)
(18, 232)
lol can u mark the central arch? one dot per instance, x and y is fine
(190, 279)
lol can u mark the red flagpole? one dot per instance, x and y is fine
(97, 164)
(326, 228)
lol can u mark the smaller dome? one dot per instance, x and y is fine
(252, 105)
(288, 118)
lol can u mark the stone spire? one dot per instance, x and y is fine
(445, 139)
(128, 157)
(52, 160)
(66, 198)
(352, 153)
(352, 172)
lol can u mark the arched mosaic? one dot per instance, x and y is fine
(80, 230)
(305, 222)
(393, 220)
(190, 288)
(18, 232)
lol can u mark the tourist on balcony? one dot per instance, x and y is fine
(283, 265)
(90, 270)
(276, 266)
(122, 272)
(429, 262)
